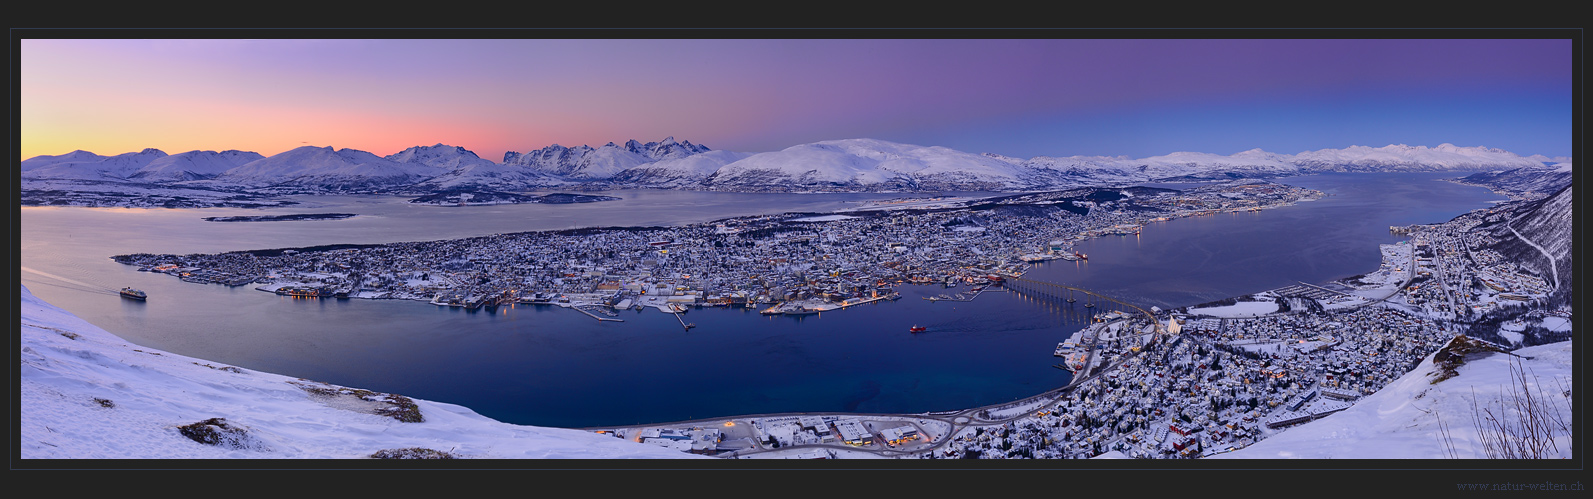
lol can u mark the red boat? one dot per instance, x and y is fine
(917, 329)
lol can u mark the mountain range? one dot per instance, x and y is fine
(834, 165)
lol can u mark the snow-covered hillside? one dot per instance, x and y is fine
(325, 168)
(1526, 182)
(1401, 157)
(78, 156)
(441, 156)
(869, 164)
(84, 165)
(193, 165)
(462, 169)
(685, 171)
(86, 393)
(1410, 418)
(602, 163)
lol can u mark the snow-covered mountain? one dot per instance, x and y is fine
(674, 172)
(440, 156)
(1534, 233)
(1524, 182)
(584, 163)
(1080, 171)
(868, 164)
(78, 156)
(1254, 163)
(665, 149)
(87, 394)
(192, 165)
(463, 169)
(325, 168)
(1401, 157)
(1419, 416)
(82, 165)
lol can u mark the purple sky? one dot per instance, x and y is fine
(1020, 98)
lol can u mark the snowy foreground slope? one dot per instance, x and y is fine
(86, 393)
(1401, 421)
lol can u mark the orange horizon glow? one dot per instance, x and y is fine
(1020, 98)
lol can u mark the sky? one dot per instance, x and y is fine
(1016, 97)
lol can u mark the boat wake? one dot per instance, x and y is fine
(80, 285)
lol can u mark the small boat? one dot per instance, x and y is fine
(133, 294)
(917, 329)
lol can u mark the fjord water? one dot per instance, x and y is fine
(556, 367)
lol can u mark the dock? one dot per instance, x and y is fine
(674, 310)
(960, 296)
(594, 316)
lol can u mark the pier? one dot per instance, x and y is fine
(958, 297)
(675, 309)
(595, 316)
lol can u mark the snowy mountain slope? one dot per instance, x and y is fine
(665, 149)
(1401, 157)
(462, 169)
(1401, 421)
(490, 176)
(1549, 224)
(84, 393)
(1536, 231)
(678, 171)
(1522, 182)
(1102, 170)
(1253, 163)
(78, 156)
(192, 165)
(323, 167)
(106, 168)
(584, 163)
(1078, 171)
(444, 157)
(863, 163)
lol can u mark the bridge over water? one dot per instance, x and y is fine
(1060, 291)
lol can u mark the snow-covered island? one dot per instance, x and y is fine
(485, 197)
(282, 218)
(741, 261)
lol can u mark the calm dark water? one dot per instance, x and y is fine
(556, 367)
(1195, 260)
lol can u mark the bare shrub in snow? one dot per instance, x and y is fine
(1523, 423)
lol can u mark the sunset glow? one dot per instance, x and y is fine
(1014, 97)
